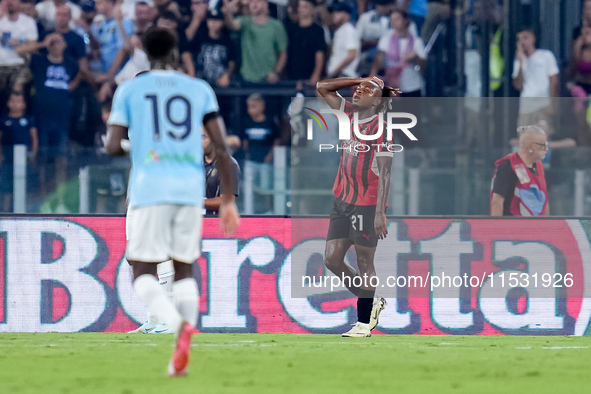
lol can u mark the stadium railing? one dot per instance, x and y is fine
(446, 177)
(301, 188)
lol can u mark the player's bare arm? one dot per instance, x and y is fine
(385, 170)
(213, 204)
(215, 129)
(115, 135)
(328, 89)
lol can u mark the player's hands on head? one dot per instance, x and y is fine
(380, 225)
(229, 218)
(375, 79)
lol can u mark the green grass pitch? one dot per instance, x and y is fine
(285, 363)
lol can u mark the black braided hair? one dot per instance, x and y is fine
(387, 94)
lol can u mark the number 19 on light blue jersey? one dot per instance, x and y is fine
(164, 112)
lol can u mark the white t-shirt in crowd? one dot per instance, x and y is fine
(137, 63)
(537, 70)
(345, 38)
(372, 25)
(47, 10)
(128, 9)
(411, 78)
(24, 29)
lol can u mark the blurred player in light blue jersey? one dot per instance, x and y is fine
(165, 113)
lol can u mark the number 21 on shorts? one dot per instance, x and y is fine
(357, 220)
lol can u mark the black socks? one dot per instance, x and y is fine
(364, 305)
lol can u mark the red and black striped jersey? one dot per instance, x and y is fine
(357, 177)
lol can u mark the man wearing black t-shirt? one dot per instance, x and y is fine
(259, 131)
(213, 51)
(306, 45)
(258, 135)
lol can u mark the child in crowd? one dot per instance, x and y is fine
(17, 128)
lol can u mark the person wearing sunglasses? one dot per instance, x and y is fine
(519, 184)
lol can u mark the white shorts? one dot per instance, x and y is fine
(157, 233)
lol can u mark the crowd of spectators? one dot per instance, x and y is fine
(66, 58)
(229, 43)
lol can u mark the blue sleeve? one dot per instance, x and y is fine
(120, 108)
(129, 27)
(211, 103)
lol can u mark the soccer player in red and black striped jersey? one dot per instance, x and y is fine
(361, 188)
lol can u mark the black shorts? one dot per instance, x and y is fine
(354, 222)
